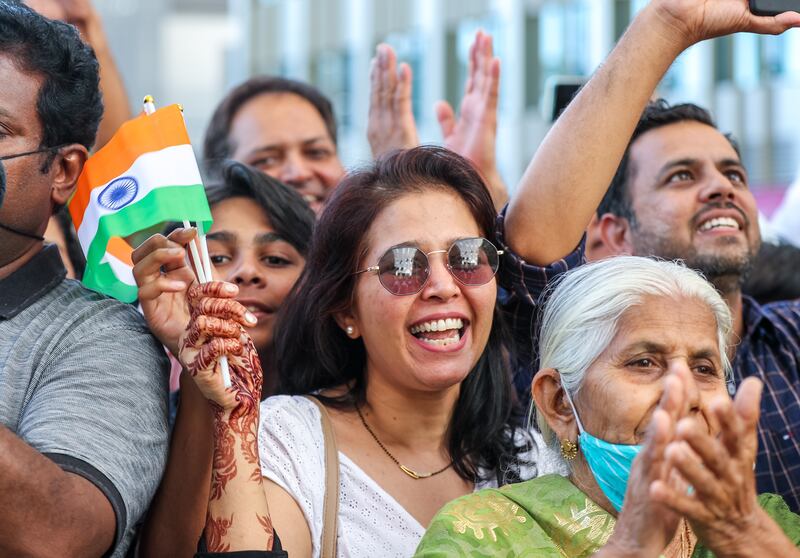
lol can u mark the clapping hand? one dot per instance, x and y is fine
(472, 134)
(645, 527)
(723, 508)
(391, 122)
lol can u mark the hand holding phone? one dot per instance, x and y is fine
(774, 7)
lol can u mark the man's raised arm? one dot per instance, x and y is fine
(574, 165)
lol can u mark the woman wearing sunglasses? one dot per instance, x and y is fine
(391, 327)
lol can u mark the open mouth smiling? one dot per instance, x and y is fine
(440, 332)
(720, 223)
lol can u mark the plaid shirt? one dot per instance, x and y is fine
(770, 350)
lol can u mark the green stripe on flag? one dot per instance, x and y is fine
(167, 203)
(101, 278)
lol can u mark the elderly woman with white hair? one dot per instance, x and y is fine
(632, 395)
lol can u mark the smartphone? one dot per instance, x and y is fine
(774, 7)
(558, 92)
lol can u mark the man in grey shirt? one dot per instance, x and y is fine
(83, 385)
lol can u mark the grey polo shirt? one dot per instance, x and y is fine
(83, 382)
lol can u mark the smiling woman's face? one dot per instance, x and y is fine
(246, 250)
(423, 361)
(623, 385)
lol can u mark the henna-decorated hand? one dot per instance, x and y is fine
(216, 329)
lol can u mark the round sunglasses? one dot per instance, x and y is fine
(404, 270)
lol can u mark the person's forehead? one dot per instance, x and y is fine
(19, 92)
(239, 213)
(687, 140)
(430, 219)
(676, 322)
(277, 118)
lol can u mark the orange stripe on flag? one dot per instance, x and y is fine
(164, 128)
(120, 249)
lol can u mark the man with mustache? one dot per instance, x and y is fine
(678, 191)
(681, 193)
(284, 128)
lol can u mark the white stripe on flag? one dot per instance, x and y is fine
(171, 166)
(123, 271)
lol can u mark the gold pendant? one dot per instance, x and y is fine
(413, 474)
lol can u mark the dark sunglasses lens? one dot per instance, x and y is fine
(473, 261)
(403, 270)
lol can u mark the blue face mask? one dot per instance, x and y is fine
(610, 463)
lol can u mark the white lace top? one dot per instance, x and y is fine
(371, 522)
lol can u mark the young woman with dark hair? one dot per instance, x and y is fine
(392, 327)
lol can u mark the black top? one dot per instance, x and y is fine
(31, 282)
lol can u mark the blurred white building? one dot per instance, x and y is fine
(192, 51)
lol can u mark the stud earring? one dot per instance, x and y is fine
(350, 330)
(568, 449)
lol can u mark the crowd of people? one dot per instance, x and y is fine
(604, 363)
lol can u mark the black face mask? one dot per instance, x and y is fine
(3, 189)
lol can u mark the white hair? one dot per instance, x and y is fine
(582, 314)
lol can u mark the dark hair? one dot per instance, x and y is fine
(617, 200)
(313, 353)
(287, 212)
(69, 105)
(773, 274)
(217, 145)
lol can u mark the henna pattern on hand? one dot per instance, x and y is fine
(205, 299)
(224, 460)
(266, 523)
(215, 531)
(213, 331)
(244, 418)
(210, 353)
(206, 327)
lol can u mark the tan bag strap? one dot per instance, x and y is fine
(330, 509)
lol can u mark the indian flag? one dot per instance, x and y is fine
(145, 175)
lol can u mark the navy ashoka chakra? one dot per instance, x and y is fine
(119, 193)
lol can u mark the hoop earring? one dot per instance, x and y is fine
(569, 449)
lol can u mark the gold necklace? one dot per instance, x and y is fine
(410, 472)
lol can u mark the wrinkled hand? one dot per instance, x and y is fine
(645, 525)
(697, 20)
(391, 122)
(163, 277)
(723, 509)
(216, 329)
(473, 134)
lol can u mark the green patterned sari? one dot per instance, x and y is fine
(544, 517)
